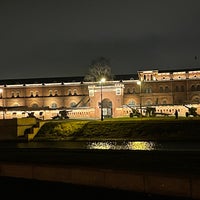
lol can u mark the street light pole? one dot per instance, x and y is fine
(102, 81)
(140, 84)
(1, 92)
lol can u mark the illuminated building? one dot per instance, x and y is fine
(45, 97)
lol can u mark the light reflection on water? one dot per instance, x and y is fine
(112, 145)
(105, 145)
(124, 146)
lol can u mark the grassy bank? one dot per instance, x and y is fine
(155, 129)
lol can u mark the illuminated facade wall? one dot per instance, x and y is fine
(160, 89)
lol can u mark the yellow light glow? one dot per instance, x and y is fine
(103, 80)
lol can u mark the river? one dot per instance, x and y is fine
(110, 145)
(146, 157)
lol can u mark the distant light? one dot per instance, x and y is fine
(103, 80)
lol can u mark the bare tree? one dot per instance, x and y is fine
(99, 68)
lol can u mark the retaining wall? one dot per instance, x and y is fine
(12, 129)
(151, 183)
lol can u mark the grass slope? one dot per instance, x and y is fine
(122, 129)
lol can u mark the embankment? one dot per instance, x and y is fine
(144, 129)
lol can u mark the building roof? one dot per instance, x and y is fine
(80, 78)
(42, 80)
(59, 80)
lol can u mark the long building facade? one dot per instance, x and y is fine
(166, 91)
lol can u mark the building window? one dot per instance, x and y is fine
(91, 93)
(148, 103)
(73, 104)
(192, 88)
(31, 93)
(35, 105)
(75, 92)
(161, 89)
(118, 91)
(56, 93)
(182, 88)
(148, 90)
(69, 92)
(166, 89)
(54, 105)
(177, 89)
(50, 93)
(128, 91)
(131, 103)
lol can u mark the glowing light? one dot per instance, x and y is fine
(122, 146)
(141, 146)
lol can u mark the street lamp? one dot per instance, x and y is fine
(140, 84)
(1, 92)
(101, 82)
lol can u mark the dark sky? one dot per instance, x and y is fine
(60, 38)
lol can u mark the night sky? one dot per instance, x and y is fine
(61, 38)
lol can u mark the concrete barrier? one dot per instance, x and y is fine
(151, 183)
(13, 129)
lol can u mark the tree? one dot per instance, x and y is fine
(99, 68)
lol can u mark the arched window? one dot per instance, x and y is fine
(161, 89)
(69, 92)
(148, 90)
(54, 105)
(73, 104)
(166, 89)
(56, 93)
(50, 93)
(148, 103)
(131, 103)
(75, 92)
(182, 88)
(35, 105)
(31, 93)
(128, 91)
(192, 88)
(17, 94)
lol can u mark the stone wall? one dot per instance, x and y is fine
(184, 185)
(12, 129)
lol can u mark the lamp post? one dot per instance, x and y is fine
(1, 92)
(101, 82)
(140, 84)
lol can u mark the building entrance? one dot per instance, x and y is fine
(107, 108)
